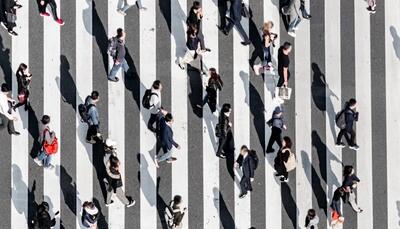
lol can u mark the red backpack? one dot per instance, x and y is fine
(51, 148)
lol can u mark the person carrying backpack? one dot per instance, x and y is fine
(174, 213)
(116, 49)
(90, 215)
(345, 120)
(285, 160)
(248, 164)
(90, 115)
(152, 101)
(49, 143)
(43, 219)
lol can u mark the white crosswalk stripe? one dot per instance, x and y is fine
(240, 210)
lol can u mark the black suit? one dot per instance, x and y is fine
(226, 138)
(248, 166)
(235, 14)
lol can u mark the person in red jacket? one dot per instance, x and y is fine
(53, 6)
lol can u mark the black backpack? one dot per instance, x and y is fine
(253, 155)
(83, 110)
(340, 119)
(146, 98)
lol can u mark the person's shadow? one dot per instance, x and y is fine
(68, 188)
(161, 205)
(5, 63)
(195, 94)
(398, 209)
(396, 40)
(67, 87)
(17, 189)
(146, 177)
(289, 203)
(322, 96)
(225, 216)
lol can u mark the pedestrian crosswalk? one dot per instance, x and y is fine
(328, 66)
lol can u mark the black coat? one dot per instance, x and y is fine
(224, 124)
(248, 166)
(235, 10)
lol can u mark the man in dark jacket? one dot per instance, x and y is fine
(277, 124)
(119, 58)
(248, 166)
(43, 219)
(224, 126)
(350, 116)
(166, 139)
(235, 16)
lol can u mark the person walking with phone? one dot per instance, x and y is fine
(24, 78)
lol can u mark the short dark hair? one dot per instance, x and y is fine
(45, 119)
(244, 147)
(94, 95)
(177, 199)
(156, 84)
(225, 108)
(119, 32)
(196, 5)
(352, 102)
(347, 170)
(5, 88)
(311, 213)
(168, 117)
(286, 45)
(288, 142)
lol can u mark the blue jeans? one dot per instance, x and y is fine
(115, 68)
(46, 159)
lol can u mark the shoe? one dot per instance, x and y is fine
(45, 14)
(340, 145)
(121, 12)
(172, 159)
(91, 141)
(360, 210)
(270, 151)
(283, 179)
(15, 133)
(12, 33)
(131, 203)
(116, 79)
(181, 66)
(371, 9)
(307, 16)
(156, 161)
(221, 156)
(245, 43)
(37, 161)
(51, 167)
(223, 30)
(355, 147)
(277, 174)
(292, 34)
(60, 21)
(241, 196)
(112, 201)
(208, 50)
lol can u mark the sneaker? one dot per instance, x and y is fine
(241, 196)
(121, 12)
(371, 9)
(112, 201)
(360, 210)
(91, 141)
(340, 145)
(15, 133)
(283, 179)
(181, 66)
(355, 147)
(156, 161)
(292, 33)
(37, 161)
(51, 167)
(60, 21)
(12, 33)
(245, 43)
(131, 203)
(221, 156)
(172, 159)
(45, 14)
(116, 79)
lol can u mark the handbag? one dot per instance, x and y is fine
(283, 92)
(291, 163)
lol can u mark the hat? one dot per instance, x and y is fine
(110, 143)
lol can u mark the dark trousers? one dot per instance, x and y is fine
(91, 132)
(212, 102)
(152, 120)
(225, 142)
(53, 8)
(245, 185)
(239, 27)
(350, 140)
(276, 136)
(282, 80)
(10, 123)
(279, 167)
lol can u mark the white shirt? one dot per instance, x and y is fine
(4, 106)
(155, 101)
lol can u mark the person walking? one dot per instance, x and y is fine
(174, 213)
(292, 10)
(235, 16)
(350, 181)
(155, 104)
(195, 15)
(115, 183)
(24, 78)
(6, 113)
(337, 217)
(277, 124)
(124, 5)
(214, 84)
(90, 215)
(53, 6)
(285, 160)
(224, 131)
(312, 220)
(117, 52)
(371, 6)
(194, 51)
(246, 162)
(166, 139)
(345, 120)
(42, 218)
(303, 10)
(93, 117)
(283, 64)
(10, 15)
(49, 144)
